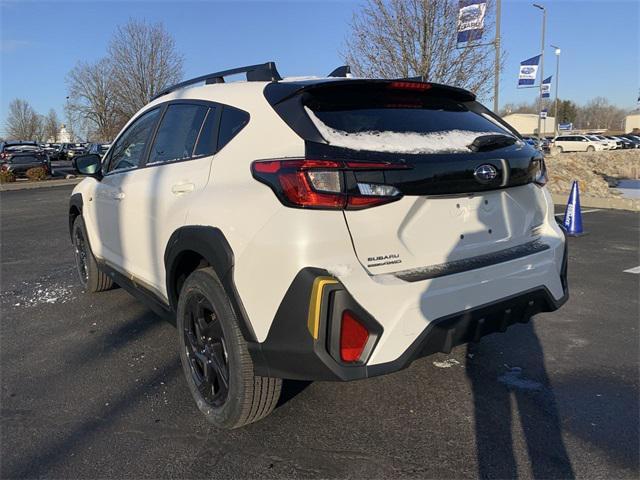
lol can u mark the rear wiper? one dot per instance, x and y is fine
(484, 143)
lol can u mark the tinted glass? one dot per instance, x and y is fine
(207, 140)
(129, 148)
(178, 133)
(232, 121)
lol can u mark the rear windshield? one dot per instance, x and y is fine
(21, 147)
(400, 121)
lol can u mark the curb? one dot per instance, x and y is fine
(6, 187)
(600, 202)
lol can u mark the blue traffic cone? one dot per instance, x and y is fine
(572, 222)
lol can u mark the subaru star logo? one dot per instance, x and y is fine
(485, 173)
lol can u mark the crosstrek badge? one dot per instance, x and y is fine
(379, 261)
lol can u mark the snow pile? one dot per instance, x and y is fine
(39, 294)
(451, 141)
(448, 363)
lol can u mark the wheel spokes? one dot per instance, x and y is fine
(204, 341)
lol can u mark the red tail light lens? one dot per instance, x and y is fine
(415, 86)
(321, 184)
(353, 337)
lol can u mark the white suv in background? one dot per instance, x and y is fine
(578, 143)
(321, 229)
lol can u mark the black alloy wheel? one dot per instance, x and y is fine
(80, 253)
(205, 349)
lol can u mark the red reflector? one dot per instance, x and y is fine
(353, 337)
(267, 167)
(418, 86)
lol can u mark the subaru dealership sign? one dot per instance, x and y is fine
(471, 20)
(528, 71)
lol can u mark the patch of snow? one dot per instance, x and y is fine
(513, 379)
(339, 270)
(38, 294)
(450, 141)
(448, 363)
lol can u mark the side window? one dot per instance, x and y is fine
(232, 121)
(207, 139)
(178, 133)
(130, 147)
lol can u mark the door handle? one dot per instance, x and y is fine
(117, 195)
(180, 188)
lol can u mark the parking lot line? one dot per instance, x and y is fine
(583, 211)
(635, 270)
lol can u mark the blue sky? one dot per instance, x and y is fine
(42, 41)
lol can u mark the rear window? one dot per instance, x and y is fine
(399, 121)
(178, 133)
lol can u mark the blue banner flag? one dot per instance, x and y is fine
(528, 71)
(546, 88)
(471, 20)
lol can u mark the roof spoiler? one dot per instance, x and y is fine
(262, 72)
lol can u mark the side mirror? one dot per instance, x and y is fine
(90, 165)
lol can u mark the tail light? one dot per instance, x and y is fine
(326, 184)
(4, 155)
(353, 337)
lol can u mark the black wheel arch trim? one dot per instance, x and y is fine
(212, 245)
(74, 202)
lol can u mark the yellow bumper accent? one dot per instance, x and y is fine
(315, 302)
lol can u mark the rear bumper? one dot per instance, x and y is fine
(290, 351)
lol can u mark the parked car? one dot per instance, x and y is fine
(626, 143)
(607, 143)
(53, 150)
(69, 150)
(635, 139)
(19, 156)
(577, 143)
(327, 244)
(98, 148)
(92, 149)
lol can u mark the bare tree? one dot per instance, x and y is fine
(600, 114)
(92, 102)
(405, 38)
(23, 123)
(144, 60)
(51, 126)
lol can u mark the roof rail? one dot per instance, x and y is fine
(262, 72)
(343, 71)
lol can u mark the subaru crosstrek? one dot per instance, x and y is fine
(329, 228)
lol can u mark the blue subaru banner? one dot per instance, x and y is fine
(528, 71)
(546, 88)
(471, 20)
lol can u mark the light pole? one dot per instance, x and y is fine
(544, 25)
(555, 128)
(496, 82)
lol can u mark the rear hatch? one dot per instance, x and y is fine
(463, 180)
(23, 155)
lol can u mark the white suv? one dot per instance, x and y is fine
(578, 143)
(317, 229)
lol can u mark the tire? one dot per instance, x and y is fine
(215, 358)
(91, 277)
(591, 148)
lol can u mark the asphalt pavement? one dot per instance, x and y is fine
(91, 385)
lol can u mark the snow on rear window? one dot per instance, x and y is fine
(446, 141)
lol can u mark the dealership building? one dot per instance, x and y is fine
(527, 124)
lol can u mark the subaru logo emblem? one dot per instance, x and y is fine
(485, 173)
